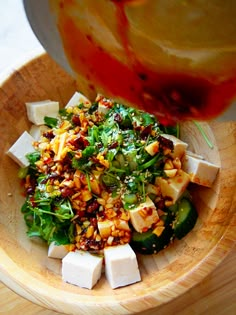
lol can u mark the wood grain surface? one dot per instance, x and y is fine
(215, 295)
(182, 279)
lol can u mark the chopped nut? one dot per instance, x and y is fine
(90, 231)
(168, 165)
(101, 201)
(177, 163)
(78, 229)
(77, 238)
(86, 195)
(171, 173)
(109, 206)
(110, 240)
(168, 203)
(77, 181)
(95, 187)
(105, 195)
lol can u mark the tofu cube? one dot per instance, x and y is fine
(103, 109)
(20, 148)
(57, 251)
(36, 111)
(121, 267)
(198, 156)
(173, 187)
(82, 269)
(104, 104)
(200, 171)
(104, 228)
(179, 146)
(144, 215)
(77, 99)
(37, 131)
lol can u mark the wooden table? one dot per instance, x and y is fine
(216, 295)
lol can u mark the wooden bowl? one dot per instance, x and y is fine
(24, 265)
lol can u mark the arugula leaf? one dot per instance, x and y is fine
(171, 130)
(93, 108)
(89, 151)
(48, 220)
(33, 157)
(93, 135)
(64, 114)
(82, 164)
(51, 121)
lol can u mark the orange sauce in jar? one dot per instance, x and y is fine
(172, 93)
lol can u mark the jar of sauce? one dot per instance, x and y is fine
(175, 59)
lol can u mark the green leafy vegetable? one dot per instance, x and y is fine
(50, 121)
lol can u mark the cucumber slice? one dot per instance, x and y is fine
(149, 243)
(186, 218)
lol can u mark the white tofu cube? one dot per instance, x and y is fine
(200, 171)
(36, 111)
(37, 131)
(78, 99)
(57, 251)
(144, 215)
(82, 269)
(20, 148)
(104, 228)
(179, 146)
(121, 267)
(173, 187)
(103, 109)
(198, 156)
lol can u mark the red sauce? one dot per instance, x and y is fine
(171, 96)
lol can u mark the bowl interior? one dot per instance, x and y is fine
(25, 267)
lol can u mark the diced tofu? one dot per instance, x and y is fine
(37, 131)
(122, 225)
(152, 148)
(82, 269)
(121, 267)
(103, 109)
(175, 186)
(36, 111)
(57, 251)
(77, 99)
(104, 105)
(104, 228)
(144, 215)
(20, 148)
(198, 156)
(179, 146)
(200, 171)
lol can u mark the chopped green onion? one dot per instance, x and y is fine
(209, 143)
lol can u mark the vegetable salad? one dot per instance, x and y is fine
(92, 181)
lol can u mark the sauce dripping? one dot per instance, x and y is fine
(170, 95)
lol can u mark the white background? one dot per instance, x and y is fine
(16, 37)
